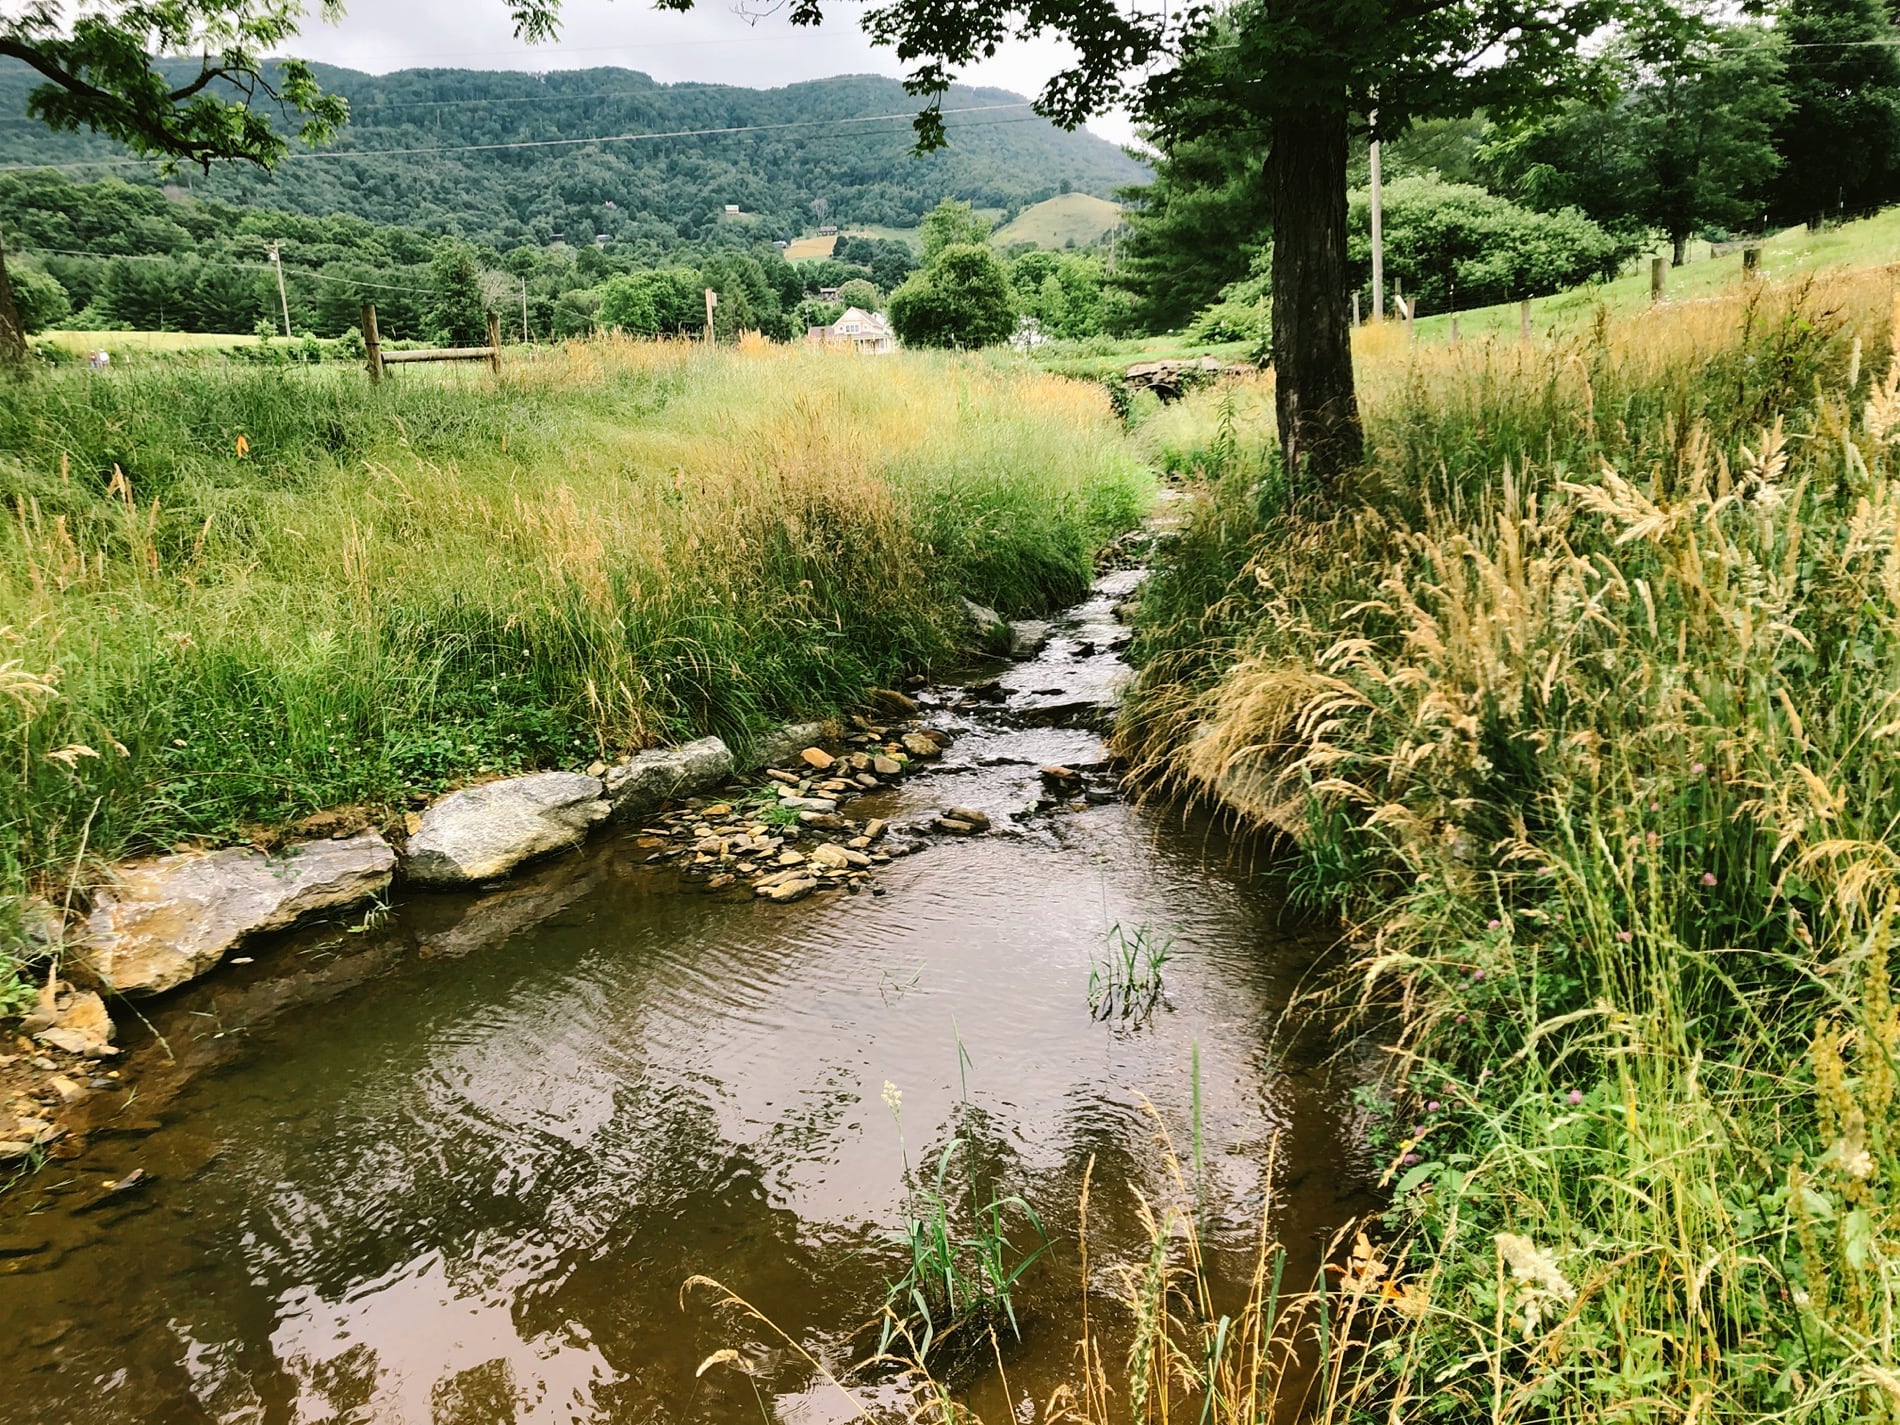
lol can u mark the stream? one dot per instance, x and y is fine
(457, 1166)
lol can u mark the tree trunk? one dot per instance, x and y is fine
(1320, 434)
(1680, 243)
(12, 329)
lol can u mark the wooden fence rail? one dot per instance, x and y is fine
(378, 358)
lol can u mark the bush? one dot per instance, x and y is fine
(1457, 246)
(962, 299)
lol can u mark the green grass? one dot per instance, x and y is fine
(1579, 706)
(115, 341)
(1068, 219)
(1787, 255)
(230, 597)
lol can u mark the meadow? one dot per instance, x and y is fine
(1578, 708)
(231, 597)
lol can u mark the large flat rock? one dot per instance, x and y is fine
(781, 745)
(481, 833)
(160, 923)
(645, 780)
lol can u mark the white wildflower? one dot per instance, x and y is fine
(893, 1097)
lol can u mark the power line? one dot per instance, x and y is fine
(522, 144)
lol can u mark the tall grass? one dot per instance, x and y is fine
(1582, 709)
(233, 597)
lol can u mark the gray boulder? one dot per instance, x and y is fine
(1027, 637)
(783, 744)
(988, 622)
(645, 780)
(481, 833)
(161, 923)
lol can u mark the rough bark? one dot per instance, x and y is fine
(1318, 410)
(12, 329)
(1679, 243)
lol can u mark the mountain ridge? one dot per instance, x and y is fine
(516, 158)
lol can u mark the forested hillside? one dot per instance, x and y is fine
(514, 159)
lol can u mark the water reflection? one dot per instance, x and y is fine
(459, 1169)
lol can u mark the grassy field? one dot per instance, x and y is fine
(121, 341)
(1580, 704)
(1058, 222)
(804, 248)
(230, 597)
(1793, 253)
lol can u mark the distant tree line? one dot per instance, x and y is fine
(113, 255)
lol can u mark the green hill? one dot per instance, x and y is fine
(1066, 220)
(515, 159)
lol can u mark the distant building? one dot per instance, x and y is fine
(611, 204)
(828, 230)
(862, 331)
(827, 294)
(732, 210)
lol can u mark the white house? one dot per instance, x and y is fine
(865, 332)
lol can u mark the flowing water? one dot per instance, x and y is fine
(458, 1167)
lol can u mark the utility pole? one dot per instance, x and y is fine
(1378, 226)
(277, 261)
(524, 311)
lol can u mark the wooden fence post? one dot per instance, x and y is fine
(1355, 309)
(372, 344)
(1524, 320)
(1411, 318)
(1751, 260)
(494, 343)
(1454, 329)
(1658, 266)
(712, 300)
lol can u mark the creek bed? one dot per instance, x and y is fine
(457, 1167)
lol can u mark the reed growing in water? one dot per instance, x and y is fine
(230, 597)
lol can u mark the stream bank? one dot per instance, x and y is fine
(475, 1192)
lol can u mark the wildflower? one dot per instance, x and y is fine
(1433, 1106)
(1574, 1097)
(1546, 870)
(1494, 924)
(1708, 878)
(1477, 976)
(1624, 937)
(1463, 1018)
(1410, 1160)
(1655, 806)
(1697, 769)
(893, 1097)
(1538, 1278)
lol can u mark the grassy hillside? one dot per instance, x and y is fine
(231, 596)
(1068, 219)
(1793, 253)
(1578, 707)
(796, 144)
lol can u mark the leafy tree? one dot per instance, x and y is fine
(952, 224)
(1840, 139)
(458, 310)
(1681, 138)
(39, 298)
(961, 299)
(812, 312)
(627, 303)
(860, 293)
(94, 70)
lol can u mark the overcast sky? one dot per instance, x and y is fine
(712, 43)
